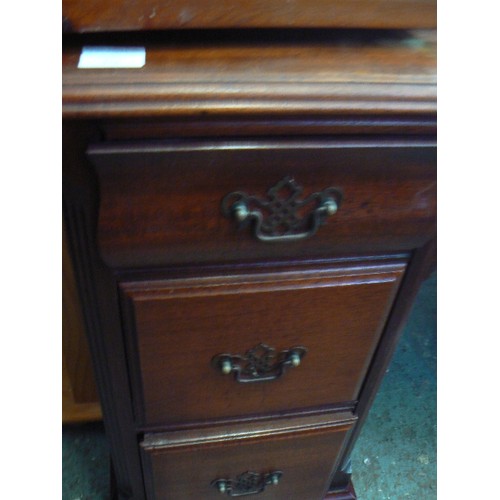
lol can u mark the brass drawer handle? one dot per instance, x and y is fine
(248, 483)
(279, 217)
(260, 364)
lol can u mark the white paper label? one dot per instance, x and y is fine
(112, 57)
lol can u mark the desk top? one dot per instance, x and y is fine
(126, 15)
(320, 74)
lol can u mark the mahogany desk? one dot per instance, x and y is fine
(250, 216)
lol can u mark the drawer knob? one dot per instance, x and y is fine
(226, 366)
(295, 358)
(280, 217)
(259, 364)
(248, 483)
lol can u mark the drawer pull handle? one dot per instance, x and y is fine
(279, 217)
(248, 483)
(260, 364)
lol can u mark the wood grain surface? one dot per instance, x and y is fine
(282, 75)
(181, 465)
(94, 15)
(161, 203)
(336, 313)
(80, 399)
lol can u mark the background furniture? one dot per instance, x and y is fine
(80, 402)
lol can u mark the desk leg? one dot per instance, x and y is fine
(346, 493)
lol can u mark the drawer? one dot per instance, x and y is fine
(286, 459)
(241, 344)
(178, 202)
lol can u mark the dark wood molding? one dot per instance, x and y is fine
(268, 126)
(243, 431)
(278, 100)
(99, 299)
(346, 493)
(338, 408)
(326, 78)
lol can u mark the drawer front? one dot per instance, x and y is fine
(176, 203)
(224, 346)
(280, 460)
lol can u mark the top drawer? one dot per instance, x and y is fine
(163, 203)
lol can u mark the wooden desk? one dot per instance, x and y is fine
(250, 218)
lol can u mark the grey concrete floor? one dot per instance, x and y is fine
(394, 457)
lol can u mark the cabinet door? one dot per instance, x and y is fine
(183, 330)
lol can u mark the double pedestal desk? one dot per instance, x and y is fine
(250, 216)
